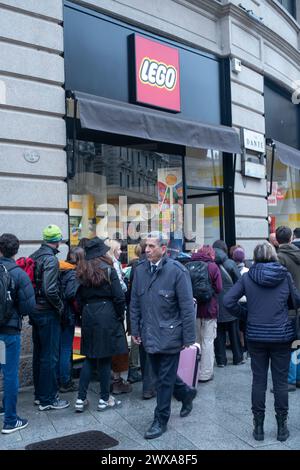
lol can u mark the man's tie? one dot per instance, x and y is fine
(153, 268)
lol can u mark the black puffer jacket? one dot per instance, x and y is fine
(230, 275)
(102, 330)
(49, 296)
(24, 299)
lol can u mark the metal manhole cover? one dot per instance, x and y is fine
(88, 440)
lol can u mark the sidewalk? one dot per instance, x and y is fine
(221, 418)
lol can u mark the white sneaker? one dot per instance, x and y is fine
(20, 424)
(80, 405)
(112, 402)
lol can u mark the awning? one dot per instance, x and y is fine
(105, 115)
(287, 155)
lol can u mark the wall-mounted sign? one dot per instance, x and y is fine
(157, 74)
(254, 141)
(253, 144)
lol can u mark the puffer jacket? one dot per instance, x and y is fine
(49, 292)
(230, 274)
(23, 296)
(267, 289)
(161, 307)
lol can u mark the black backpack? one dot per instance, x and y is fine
(7, 287)
(202, 288)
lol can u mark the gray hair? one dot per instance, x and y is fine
(264, 253)
(159, 236)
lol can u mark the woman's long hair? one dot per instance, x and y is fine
(90, 273)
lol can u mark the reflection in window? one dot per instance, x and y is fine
(284, 202)
(102, 173)
(203, 168)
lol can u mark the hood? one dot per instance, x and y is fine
(292, 251)
(65, 266)
(267, 274)
(201, 257)
(221, 257)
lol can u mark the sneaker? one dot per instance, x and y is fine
(58, 404)
(220, 365)
(111, 403)
(120, 386)
(20, 424)
(149, 394)
(68, 387)
(36, 402)
(80, 405)
(1, 411)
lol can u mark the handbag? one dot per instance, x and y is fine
(297, 318)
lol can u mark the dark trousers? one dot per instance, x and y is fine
(261, 354)
(45, 337)
(220, 342)
(149, 379)
(165, 368)
(103, 367)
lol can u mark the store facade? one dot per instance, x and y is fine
(134, 168)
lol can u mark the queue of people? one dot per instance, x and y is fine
(253, 307)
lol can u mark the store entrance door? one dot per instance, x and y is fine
(208, 205)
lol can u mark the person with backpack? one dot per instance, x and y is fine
(207, 284)
(69, 285)
(45, 321)
(226, 322)
(16, 301)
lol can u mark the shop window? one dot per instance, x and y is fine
(204, 168)
(284, 202)
(96, 183)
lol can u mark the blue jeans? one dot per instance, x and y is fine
(103, 367)
(11, 377)
(65, 354)
(294, 370)
(45, 337)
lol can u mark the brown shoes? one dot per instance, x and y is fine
(121, 386)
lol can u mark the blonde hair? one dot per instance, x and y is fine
(114, 245)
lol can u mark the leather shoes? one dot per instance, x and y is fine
(187, 403)
(149, 394)
(156, 429)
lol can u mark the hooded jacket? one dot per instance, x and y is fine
(267, 289)
(23, 297)
(230, 274)
(289, 256)
(211, 308)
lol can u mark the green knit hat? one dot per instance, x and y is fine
(52, 234)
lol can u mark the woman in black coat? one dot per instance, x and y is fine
(102, 331)
(268, 287)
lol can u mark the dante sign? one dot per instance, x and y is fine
(157, 77)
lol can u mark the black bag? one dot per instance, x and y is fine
(202, 288)
(7, 286)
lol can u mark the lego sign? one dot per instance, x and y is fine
(157, 75)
